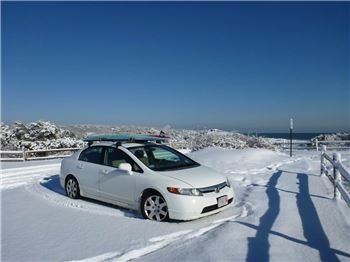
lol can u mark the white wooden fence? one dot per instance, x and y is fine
(24, 155)
(316, 145)
(337, 173)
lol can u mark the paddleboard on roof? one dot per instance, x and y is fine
(125, 137)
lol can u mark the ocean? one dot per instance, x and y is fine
(299, 136)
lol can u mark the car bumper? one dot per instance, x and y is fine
(192, 207)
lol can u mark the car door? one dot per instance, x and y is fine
(115, 184)
(88, 167)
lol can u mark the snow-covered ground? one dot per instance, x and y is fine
(284, 212)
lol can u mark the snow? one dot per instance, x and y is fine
(284, 212)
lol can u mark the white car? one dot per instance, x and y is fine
(153, 178)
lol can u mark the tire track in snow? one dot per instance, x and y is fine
(248, 178)
(16, 177)
(48, 188)
(43, 181)
(160, 242)
(271, 167)
(16, 169)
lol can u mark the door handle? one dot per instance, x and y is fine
(104, 171)
(80, 166)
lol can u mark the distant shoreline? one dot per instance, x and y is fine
(298, 136)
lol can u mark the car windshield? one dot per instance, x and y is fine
(162, 158)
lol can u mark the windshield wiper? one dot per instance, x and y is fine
(178, 167)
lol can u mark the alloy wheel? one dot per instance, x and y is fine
(72, 188)
(156, 208)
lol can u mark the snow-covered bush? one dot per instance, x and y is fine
(332, 137)
(182, 138)
(37, 135)
(46, 135)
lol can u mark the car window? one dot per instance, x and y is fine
(114, 157)
(162, 154)
(162, 158)
(92, 154)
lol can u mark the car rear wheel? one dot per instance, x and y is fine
(154, 207)
(72, 188)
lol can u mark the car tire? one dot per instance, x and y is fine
(72, 188)
(154, 207)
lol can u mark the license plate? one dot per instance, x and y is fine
(222, 201)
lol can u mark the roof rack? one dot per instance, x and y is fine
(123, 138)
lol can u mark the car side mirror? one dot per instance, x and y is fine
(125, 167)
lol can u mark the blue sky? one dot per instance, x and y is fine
(230, 65)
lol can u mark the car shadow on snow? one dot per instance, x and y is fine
(53, 183)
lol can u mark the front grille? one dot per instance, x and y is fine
(212, 188)
(214, 207)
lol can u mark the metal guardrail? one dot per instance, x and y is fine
(339, 172)
(25, 155)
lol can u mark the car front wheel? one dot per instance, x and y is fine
(72, 188)
(154, 207)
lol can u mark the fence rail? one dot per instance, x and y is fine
(313, 145)
(24, 155)
(335, 176)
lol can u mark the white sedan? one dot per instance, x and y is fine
(155, 179)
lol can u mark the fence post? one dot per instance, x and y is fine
(336, 175)
(316, 141)
(24, 154)
(322, 159)
(322, 163)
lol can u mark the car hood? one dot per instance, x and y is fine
(197, 177)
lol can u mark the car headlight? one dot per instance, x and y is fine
(185, 191)
(228, 182)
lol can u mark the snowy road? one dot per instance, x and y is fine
(284, 212)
